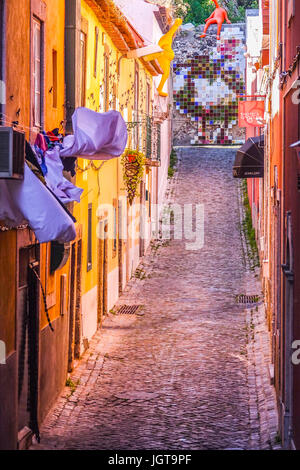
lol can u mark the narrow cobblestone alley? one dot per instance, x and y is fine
(189, 371)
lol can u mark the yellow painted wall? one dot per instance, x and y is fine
(106, 185)
(100, 186)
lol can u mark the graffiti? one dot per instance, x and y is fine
(207, 89)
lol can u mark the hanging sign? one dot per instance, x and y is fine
(251, 113)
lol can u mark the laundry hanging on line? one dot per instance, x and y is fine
(39, 198)
(29, 200)
(64, 189)
(47, 150)
(97, 136)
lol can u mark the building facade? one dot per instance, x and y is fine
(66, 55)
(274, 74)
(34, 100)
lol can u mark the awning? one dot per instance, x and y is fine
(249, 160)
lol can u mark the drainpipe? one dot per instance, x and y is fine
(2, 60)
(72, 58)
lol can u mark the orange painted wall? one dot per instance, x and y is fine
(276, 148)
(8, 289)
(17, 78)
(17, 62)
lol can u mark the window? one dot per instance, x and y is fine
(158, 156)
(148, 98)
(115, 96)
(115, 221)
(83, 67)
(148, 137)
(96, 51)
(37, 73)
(148, 123)
(290, 10)
(54, 77)
(90, 237)
(106, 82)
(136, 107)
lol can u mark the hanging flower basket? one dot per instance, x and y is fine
(133, 170)
(131, 158)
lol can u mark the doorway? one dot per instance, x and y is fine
(120, 245)
(102, 270)
(28, 326)
(75, 304)
(142, 219)
(288, 313)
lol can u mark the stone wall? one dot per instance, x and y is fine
(208, 77)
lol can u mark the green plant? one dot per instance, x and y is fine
(278, 438)
(133, 170)
(140, 273)
(72, 385)
(248, 228)
(199, 10)
(173, 158)
(173, 163)
(171, 172)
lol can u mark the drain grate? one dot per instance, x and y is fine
(128, 309)
(247, 299)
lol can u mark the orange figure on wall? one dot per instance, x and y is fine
(218, 16)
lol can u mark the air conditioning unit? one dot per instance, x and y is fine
(12, 153)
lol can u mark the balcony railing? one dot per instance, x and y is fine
(144, 135)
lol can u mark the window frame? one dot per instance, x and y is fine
(106, 81)
(115, 227)
(37, 79)
(96, 49)
(90, 238)
(83, 61)
(54, 78)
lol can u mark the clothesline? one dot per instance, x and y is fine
(40, 197)
(91, 164)
(10, 123)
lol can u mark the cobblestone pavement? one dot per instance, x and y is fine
(191, 371)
